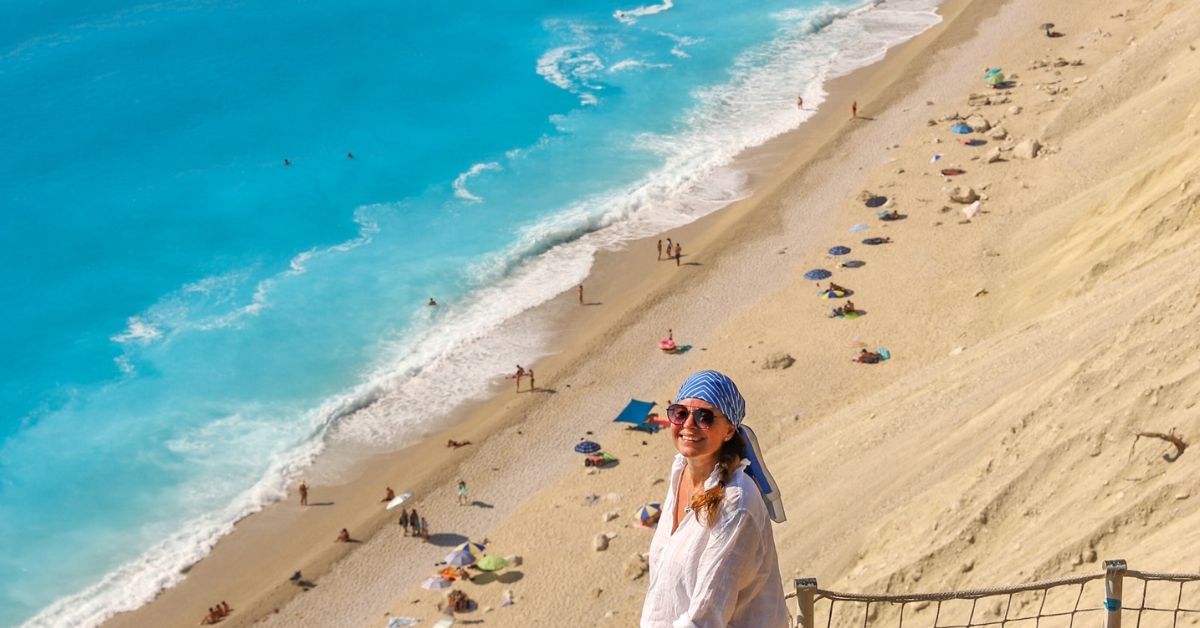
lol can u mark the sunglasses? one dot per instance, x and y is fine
(703, 417)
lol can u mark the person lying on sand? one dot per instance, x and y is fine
(456, 444)
(833, 287)
(868, 357)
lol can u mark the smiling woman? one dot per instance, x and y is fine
(715, 563)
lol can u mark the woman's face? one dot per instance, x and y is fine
(693, 441)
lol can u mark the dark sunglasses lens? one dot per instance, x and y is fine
(704, 418)
(677, 414)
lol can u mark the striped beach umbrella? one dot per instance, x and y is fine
(460, 558)
(587, 447)
(475, 548)
(647, 512)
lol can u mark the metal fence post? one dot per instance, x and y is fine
(1114, 571)
(806, 589)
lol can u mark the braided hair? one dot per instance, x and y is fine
(729, 457)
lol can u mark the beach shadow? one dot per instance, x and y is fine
(447, 539)
(479, 504)
(306, 584)
(510, 577)
(691, 264)
(894, 218)
(321, 504)
(548, 391)
(867, 118)
(974, 142)
(590, 303)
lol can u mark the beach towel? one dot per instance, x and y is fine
(854, 314)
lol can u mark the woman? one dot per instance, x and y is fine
(712, 560)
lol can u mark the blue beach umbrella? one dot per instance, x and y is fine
(961, 129)
(587, 447)
(839, 250)
(815, 274)
(875, 201)
(460, 558)
(475, 548)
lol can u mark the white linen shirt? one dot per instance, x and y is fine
(726, 575)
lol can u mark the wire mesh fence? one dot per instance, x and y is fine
(1116, 598)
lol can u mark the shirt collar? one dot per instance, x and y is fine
(714, 478)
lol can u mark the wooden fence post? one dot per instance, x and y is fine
(1114, 571)
(806, 589)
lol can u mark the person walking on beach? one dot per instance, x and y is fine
(854, 109)
(800, 102)
(715, 532)
(678, 252)
(424, 529)
(520, 374)
(581, 294)
(303, 488)
(532, 385)
(462, 493)
(660, 250)
(670, 247)
(414, 522)
(404, 521)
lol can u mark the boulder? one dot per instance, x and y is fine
(994, 155)
(1027, 149)
(998, 133)
(610, 515)
(600, 542)
(635, 567)
(979, 123)
(778, 361)
(1014, 110)
(961, 194)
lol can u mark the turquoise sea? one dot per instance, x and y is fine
(188, 321)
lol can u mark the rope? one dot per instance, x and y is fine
(1043, 586)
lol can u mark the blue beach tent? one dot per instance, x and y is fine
(637, 413)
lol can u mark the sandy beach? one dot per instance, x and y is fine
(1030, 344)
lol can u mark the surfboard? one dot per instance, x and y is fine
(399, 499)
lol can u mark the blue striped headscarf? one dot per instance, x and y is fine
(720, 391)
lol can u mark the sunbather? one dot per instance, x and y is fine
(849, 307)
(833, 287)
(868, 357)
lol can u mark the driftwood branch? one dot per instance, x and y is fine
(1170, 437)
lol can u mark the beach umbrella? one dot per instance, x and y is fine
(649, 511)
(831, 294)
(1047, 26)
(991, 71)
(460, 558)
(491, 563)
(475, 548)
(875, 201)
(960, 128)
(815, 274)
(859, 227)
(994, 79)
(936, 158)
(839, 250)
(587, 447)
(853, 263)
(435, 583)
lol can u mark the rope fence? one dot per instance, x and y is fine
(1163, 600)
